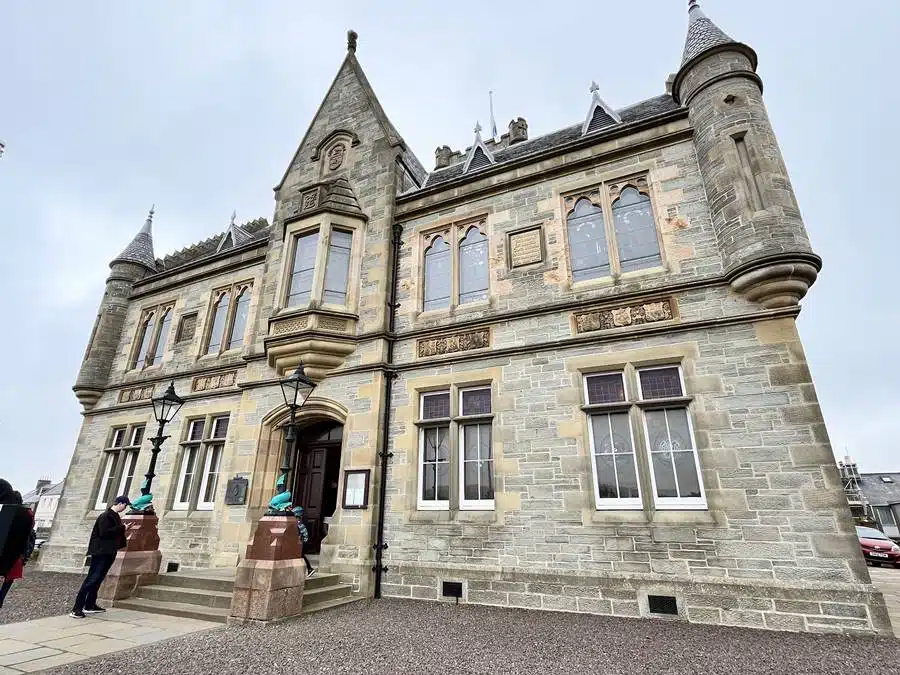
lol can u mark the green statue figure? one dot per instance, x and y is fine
(282, 499)
(144, 503)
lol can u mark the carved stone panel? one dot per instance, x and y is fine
(288, 326)
(460, 342)
(309, 200)
(336, 156)
(526, 248)
(217, 381)
(628, 315)
(144, 393)
(333, 324)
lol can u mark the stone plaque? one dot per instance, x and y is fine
(187, 327)
(236, 491)
(137, 394)
(294, 325)
(629, 315)
(461, 342)
(217, 381)
(526, 248)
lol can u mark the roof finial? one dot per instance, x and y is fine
(692, 5)
(594, 87)
(477, 128)
(148, 224)
(233, 216)
(352, 36)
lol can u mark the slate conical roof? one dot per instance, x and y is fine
(140, 250)
(702, 33)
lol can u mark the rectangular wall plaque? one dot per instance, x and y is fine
(236, 491)
(356, 489)
(218, 381)
(136, 394)
(628, 315)
(526, 247)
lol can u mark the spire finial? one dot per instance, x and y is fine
(693, 4)
(477, 128)
(233, 216)
(352, 36)
(594, 87)
(152, 211)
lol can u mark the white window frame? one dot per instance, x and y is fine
(210, 446)
(672, 503)
(463, 422)
(432, 504)
(619, 503)
(188, 447)
(121, 458)
(892, 523)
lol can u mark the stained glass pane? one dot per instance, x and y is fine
(218, 327)
(686, 469)
(303, 268)
(588, 249)
(476, 402)
(635, 231)
(473, 267)
(337, 267)
(435, 406)
(660, 383)
(241, 311)
(437, 275)
(664, 474)
(606, 388)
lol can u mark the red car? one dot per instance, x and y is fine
(877, 547)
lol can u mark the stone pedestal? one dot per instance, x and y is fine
(138, 564)
(269, 582)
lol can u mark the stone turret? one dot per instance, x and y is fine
(131, 265)
(761, 235)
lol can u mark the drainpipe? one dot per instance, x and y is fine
(389, 375)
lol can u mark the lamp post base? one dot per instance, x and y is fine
(270, 579)
(138, 564)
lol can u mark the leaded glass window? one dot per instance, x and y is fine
(437, 275)
(635, 230)
(473, 267)
(588, 250)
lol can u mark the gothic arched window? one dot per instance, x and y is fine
(635, 229)
(220, 315)
(437, 275)
(161, 336)
(473, 267)
(588, 249)
(146, 335)
(239, 324)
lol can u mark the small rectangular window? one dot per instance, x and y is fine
(750, 180)
(605, 388)
(660, 383)
(435, 406)
(220, 427)
(475, 401)
(118, 438)
(196, 430)
(137, 435)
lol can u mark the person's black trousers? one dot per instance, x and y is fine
(87, 595)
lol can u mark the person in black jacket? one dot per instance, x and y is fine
(15, 524)
(107, 537)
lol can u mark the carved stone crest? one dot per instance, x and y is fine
(336, 156)
(449, 344)
(629, 315)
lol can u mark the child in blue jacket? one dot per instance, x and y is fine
(303, 531)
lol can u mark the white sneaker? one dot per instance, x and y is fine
(311, 573)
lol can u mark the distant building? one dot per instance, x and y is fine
(881, 491)
(43, 500)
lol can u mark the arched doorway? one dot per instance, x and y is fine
(316, 475)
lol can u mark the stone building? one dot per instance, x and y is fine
(565, 369)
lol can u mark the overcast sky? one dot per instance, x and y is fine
(197, 106)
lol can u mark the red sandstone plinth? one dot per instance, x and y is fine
(138, 564)
(269, 582)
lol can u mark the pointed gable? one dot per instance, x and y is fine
(479, 156)
(234, 236)
(599, 115)
(349, 105)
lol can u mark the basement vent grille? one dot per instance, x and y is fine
(172, 567)
(452, 589)
(663, 604)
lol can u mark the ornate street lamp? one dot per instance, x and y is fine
(165, 408)
(296, 389)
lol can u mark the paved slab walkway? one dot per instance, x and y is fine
(888, 582)
(35, 645)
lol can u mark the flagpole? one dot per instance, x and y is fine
(494, 134)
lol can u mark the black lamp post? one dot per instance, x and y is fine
(165, 408)
(296, 389)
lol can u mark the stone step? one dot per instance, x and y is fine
(186, 596)
(318, 596)
(215, 614)
(320, 580)
(220, 583)
(321, 606)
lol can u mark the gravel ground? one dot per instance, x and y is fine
(396, 636)
(40, 594)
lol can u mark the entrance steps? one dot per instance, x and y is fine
(206, 594)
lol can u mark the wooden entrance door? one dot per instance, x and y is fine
(318, 462)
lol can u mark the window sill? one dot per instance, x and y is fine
(447, 516)
(646, 272)
(589, 284)
(660, 403)
(672, 515)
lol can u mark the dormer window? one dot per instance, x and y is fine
(479, 156)
(599, 115)
(152, 336)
